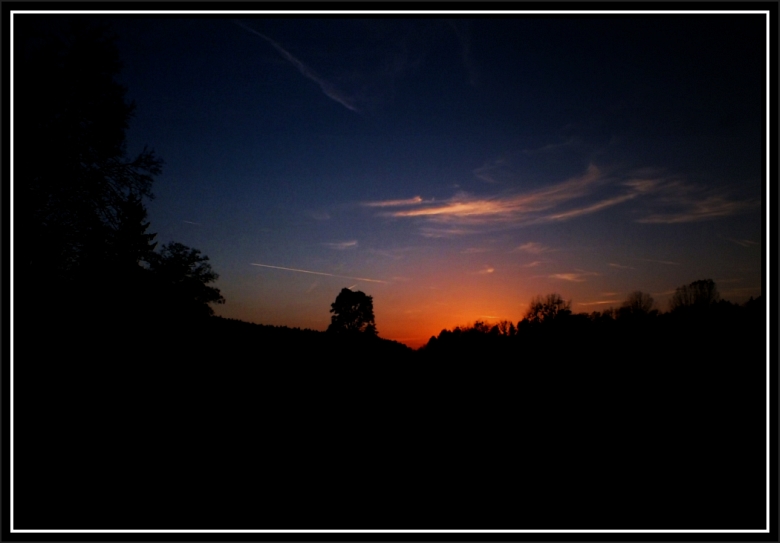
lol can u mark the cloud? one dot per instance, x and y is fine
(320, 215)
(190, 222)
(601, 302)
(444, 232)
(621, 267)
(533, 264)
(682, 202)
(573, 277)
(591, 208)
(524, 208)
(318, 273)
(461, 29)
(508, 208)
(495, 171)
(744, 242)
(665, 200)
(394, 203)
(327, 88)
(667, 262)
(549, 147)
(486, 270)
(342, 245)
(474, 250)
(533, 248)
(711, 207)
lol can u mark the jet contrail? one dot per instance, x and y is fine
(329, 90)
(319, 273)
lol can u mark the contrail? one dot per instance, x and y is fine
(319, 273)
(329, 90)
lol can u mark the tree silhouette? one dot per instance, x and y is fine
(87, 253)
(71, 163)
(638, 304)
(547, 308)
(181, 276)
(699, 295)
(352, 312)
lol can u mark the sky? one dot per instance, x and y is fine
(453, 168)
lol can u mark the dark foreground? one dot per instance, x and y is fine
(229, 426)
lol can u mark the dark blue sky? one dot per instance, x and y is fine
(453, 168)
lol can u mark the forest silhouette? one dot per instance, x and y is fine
(137, 407)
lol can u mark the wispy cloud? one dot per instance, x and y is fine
(318, 273)
(676, 201)
(461, 29)
(486, 270)
(664, 200)
(549, 147)
(533, 248)
(329, 89)
(620, 266)
(598, 206)
(445, 232)
(474, 250)
(190, 222)
(342, 245)
(667, 262)
(533, 264)
(600, 302)
(744, 242)
(495, 172)
(573, 277)
(525, 207)
(320, 215)
(711, 207)
(394, 203)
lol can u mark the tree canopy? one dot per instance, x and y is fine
(700, 294)
(80, 196)
(352, 312)
(76, 180)
(181, 277)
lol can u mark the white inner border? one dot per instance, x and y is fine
(767, 245)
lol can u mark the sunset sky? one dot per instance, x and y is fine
(453, 168)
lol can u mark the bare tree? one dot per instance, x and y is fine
(699, 294)
(637, 304)
(547, 308)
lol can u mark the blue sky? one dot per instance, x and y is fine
(453, 168)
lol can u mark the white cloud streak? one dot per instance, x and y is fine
(341, 246)
(327, 88)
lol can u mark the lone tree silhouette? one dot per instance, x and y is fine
(548, 308)
(353, 312)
